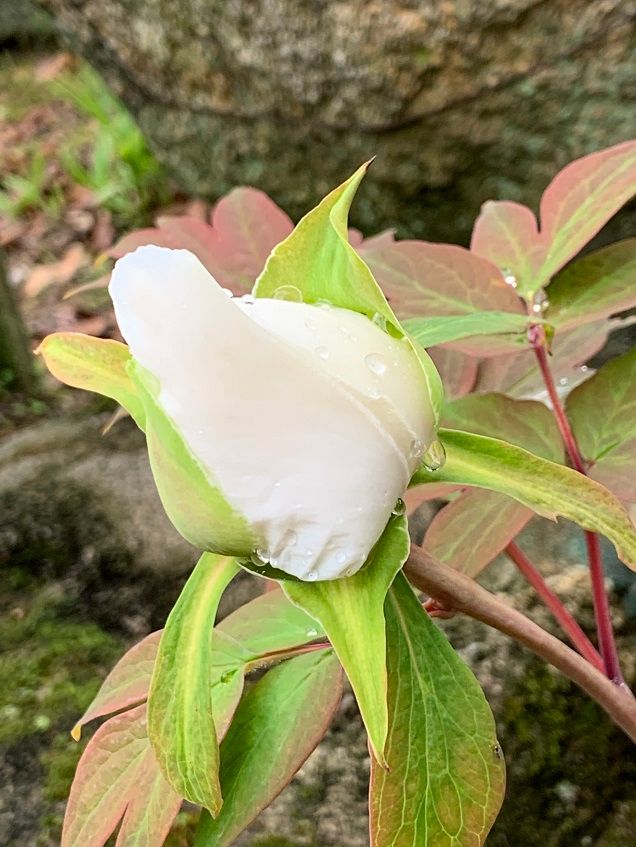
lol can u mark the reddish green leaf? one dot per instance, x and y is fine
(426, 279)
(446, 777)
(603, 415)
(152, 807)
(595, 287)
(580, 200)
(116, 776)
(126, 685)
(507, 235)
(181, 720)
(519, 375)
(526, 423)
(457, 370)
(278, 724)
(474, 528)
(245, 227)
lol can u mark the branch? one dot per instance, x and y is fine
(459, 592)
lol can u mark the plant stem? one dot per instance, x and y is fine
(569, 625)
(457, 591)
(602, 614)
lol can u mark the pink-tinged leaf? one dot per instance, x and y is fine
(602, 411)
(581, 199)
(278, 724)
(414, 497)
(525, 423)
(376, 242)
(473, 529)
(446, 777)
(246, 225)
(106, 778)
(457, 370)
(595, 287)
(519, 376)
(126, 685)
(507, 235)
(152, 808)
(422, 279)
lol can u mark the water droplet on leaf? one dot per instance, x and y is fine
(311, 632)
(399, 508)
(434, 457)
(288, 292)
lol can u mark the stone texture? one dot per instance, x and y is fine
(460, 100)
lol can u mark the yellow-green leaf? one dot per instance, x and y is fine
(181, 723)
(351, 612)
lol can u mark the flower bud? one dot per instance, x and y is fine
(309, 420)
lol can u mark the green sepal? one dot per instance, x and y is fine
(94, 364)
(318, 263)
(351, 612)
(194, 504)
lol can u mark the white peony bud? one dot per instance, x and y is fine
(309, 419)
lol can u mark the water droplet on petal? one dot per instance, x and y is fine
(375, 363)
(341, 557)
(375, 393)
(322, 353)
(417, 448)
(248, 300)
(399, 508)
(263, 554)
(311, 632)
(312, 576)
(434, 457)
(288, 292)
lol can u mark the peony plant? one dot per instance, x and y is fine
(284, 426)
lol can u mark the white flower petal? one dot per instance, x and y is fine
(292, 449)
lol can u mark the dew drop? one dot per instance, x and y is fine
(563, 380)
(379, 320)
(248, 300)
(434, 457)
(312, 576)
(399, 508)
(226, 677)
(288, 292)
(322, 353)
(417, 448)
(263, 554)
(291, 538)
(509, 278)
(375, 393)
(341, 557)
(311, 632)
(375, 363)
(584, 369)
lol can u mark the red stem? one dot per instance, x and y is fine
(604, 629)
(569, 625)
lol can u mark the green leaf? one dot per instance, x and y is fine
(181, 723)
(446, 328)
(446, 777)
(277, 725)
(318, 261)
(526, 423)
(602, 411)
(95, 364)
(473, 528)
(545, 487)
(196, 507)
(594, 287)
(351, 612)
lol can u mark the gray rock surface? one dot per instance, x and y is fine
(461, 100)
